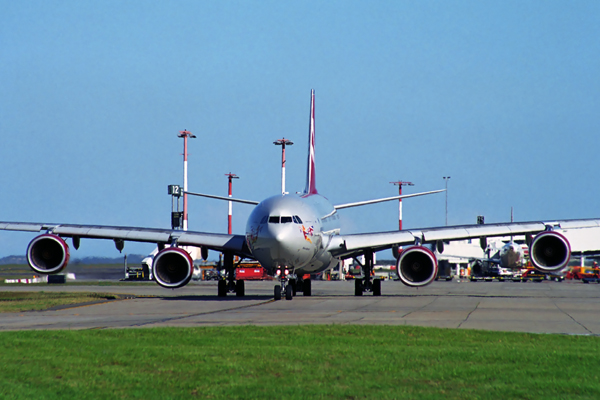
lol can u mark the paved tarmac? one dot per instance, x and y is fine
(536, 307)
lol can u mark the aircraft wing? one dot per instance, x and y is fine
(214, 241)
(374, 201)
(355, 244)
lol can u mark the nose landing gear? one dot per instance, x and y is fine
(286, 286)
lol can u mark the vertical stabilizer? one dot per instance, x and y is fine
(311, 187)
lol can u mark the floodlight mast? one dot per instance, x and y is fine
(231, 177)
(400, 184)
(282, 143)
(185, 134)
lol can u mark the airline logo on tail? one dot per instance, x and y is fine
(311, 187)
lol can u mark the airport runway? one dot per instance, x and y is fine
(536, 307)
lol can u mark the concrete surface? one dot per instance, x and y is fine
(537, 307)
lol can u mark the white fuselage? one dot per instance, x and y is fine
(293, 231)
(511, 255)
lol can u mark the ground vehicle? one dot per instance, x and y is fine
(251, 271)
(583, 272)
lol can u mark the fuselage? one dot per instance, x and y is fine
(293, 231)
(511, 255)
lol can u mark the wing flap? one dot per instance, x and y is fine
(21, 226)
(111, 232)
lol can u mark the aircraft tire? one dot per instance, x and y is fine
(377, 287)
(240, 288)
(277, 292)
(307, 287)
(358, 288)
(222, 288)
(289, 292)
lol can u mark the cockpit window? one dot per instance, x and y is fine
(275, 219)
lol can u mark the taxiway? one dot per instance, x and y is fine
(544, 307)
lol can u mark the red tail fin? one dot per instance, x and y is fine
(311, 187)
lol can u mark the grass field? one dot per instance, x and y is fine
(36, 301)
(23, 271)
(297, 362)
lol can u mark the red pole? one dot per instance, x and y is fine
(185, 160)
(400, 184)
(400, 208)
(231, 177)
(185, 134)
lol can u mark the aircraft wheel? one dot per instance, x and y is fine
(377, 287)
(289, 292)
(277, 294)
(240, 289)
(222, 288)
(307, 287)
(358, 288)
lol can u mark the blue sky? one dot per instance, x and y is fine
(504, 97)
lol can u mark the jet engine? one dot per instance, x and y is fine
(172, 267)
(417, 266)
(549, 251)
(48, 254)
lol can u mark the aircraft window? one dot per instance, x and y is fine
(274, 220)
(297, 219)
(286, 220)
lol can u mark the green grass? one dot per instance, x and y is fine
(23, 271)
(82, 283)
(35, 301)
(297, 362)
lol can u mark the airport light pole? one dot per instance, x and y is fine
(446, 178)
(231, 178)
(400, 184)
(283, 142)
(185, 134)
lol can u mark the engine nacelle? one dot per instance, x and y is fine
(549, 251)
(417, 266)
(48, 254)
(172, 267)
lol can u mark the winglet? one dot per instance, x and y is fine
(311, 187)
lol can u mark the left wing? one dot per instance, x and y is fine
(399, 197)
(351, 245)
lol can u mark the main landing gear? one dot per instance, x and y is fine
(228, 284)
(290, 284)
(367, 284)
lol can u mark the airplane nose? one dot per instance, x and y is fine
(282, 242)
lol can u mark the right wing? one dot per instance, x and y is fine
(213, 241)
(212, 196)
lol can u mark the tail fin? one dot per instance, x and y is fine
(311, 187)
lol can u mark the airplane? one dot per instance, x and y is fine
(293, 235)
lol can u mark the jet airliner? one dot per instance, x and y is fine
(294, 235)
